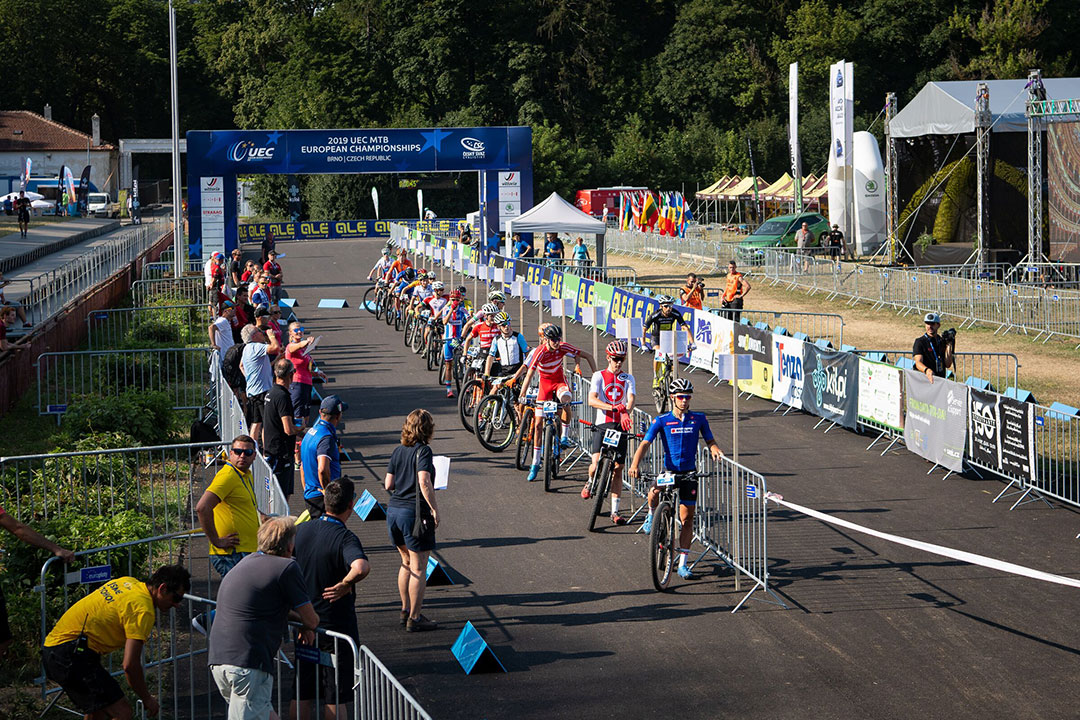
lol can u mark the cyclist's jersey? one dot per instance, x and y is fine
(548, 362)
(397, 266)
(437, 303)
(510, 351)
(486, 333)
(680, 438)
(658, 322)
(454, 318)
(381, 266)
(423, 292)
(613, 388)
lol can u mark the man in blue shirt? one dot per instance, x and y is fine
(553, 247)
(319, 458)
(522, 248)
(679, 431)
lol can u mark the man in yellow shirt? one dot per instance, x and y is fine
(119, 614)
(228, 511)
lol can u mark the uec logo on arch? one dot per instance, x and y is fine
(246, 151)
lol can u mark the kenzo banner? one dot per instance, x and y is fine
(788, 375)
(831, 385)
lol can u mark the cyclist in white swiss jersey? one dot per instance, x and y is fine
(612, 393)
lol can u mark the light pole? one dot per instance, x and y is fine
(179, 253)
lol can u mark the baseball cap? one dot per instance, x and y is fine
(262, 311)
(228, 304)
(333, 404)
(931, 317)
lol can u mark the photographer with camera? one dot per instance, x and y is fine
(693, 293)
(933, 352)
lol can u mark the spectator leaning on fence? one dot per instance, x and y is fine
(255, 364)
(333, 561)
(228, 511)
(253, 605)
(118, 615)
(279, 427)
(319, 455)
(933, 353)
(31, 537)
(19, 310)
(7, 320)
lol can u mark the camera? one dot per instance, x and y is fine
(949, 336)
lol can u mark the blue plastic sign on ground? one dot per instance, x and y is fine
(473, 652)
(56, 409)
(368, 508)
(336, 303)
(312, 654)
(287, 302)
(436, 573)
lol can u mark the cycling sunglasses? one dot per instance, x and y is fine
(245, 452)
(683, 397)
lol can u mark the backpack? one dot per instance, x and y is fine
(230, 366)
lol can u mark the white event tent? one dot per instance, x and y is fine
(555, 215)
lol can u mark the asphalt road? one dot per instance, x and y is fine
(873, 629)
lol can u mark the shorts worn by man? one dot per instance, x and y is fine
(118, 615)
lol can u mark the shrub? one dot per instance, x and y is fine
(147, 417)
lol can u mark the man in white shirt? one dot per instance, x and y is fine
(612, 392)
(221, 337)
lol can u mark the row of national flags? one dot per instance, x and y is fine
(666, 212)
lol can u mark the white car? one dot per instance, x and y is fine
(99, 203)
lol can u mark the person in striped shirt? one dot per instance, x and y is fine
(453, 316)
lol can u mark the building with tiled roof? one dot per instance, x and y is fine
(51, 145)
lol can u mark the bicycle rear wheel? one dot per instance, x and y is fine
(495, 423)
(660, 399)
(380, 303)
(369, 299)
(432, 352)
(662, 545)
(470, 398)
(525, 440)
(548, 455)
(601, 482)
(388, 303)
(410, 327)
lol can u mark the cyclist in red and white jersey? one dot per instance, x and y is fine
(495, 298)
(612, 393)
(547, 362)
(485, 330)
(435, 303)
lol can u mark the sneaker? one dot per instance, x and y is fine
(585, 494)
(686, 573)
(646, 527)
(404, 617)
(565, 443)
(420, 624)
(200, 622)
(449, 393)
(617, 519)
(533, 472)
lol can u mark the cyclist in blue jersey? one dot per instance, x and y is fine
(454, 316)
(679, 431)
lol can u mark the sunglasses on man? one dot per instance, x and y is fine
(244, 452)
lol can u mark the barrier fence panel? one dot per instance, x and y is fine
(162, 269)
(181, 373)
(178, 325)
(1057, 456)
(817, 326)
(1001, 370)
(173, 656)
(184, 291)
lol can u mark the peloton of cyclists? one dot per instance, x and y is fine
(679, 431)
(612, 392)
(666, 318)
(547, 361)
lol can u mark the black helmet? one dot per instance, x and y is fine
(553, 332)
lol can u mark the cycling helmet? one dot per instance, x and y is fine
(463, 290)
(502, 319)
(665, 300)
(681, 386)
(402, 252)
(489, 309)
(455, 295)
(553, 332)
(616, 349)
(410, 274)
(437, 286)
(430, 274)
(386, 251)
(540, 330)
(496, 296)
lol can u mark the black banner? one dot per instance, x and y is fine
(82, 192)
(831, 385)
(1000, 434)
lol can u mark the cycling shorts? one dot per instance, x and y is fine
(687, 491)
(620, 449)
(448, 350)
(553, 389)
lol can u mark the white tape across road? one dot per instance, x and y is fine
(961, 555)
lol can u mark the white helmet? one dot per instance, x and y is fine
(489, 309)
(437, 286)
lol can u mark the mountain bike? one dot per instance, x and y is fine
(411, 320)
(525, 432)
(420, 322)
(600, 482)
(474, 387)
(661, 397)
(664, 535)
(375, 299)
(550, 450)
(497, 417)
(433, 351)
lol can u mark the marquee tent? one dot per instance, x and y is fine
(712, 189)
(555, 215)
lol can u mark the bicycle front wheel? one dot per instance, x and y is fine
(495, 423)
(369, 300)
(662, 545)
(660, 399)
(410, 328)
(548, 455)
(380, 304)
(418, 336)
(470, 398)
(601, 482)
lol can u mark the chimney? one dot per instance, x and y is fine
(95, 132)
(48, 111)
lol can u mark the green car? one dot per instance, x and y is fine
(780, 231)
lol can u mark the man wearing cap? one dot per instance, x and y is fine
(933, 353)
(273, 269)
(319, 459)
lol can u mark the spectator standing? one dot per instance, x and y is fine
(7, 320)
(932, 352)
(249, 272)
(118, 615)
(411, 471)
(236, 267)
(522, 248)
(836, 242)
(260, 297)
(692, 294)
(553, 247)
(803, 239)
(332, 561)
(279, 427)
(227, 510)
(255, 364)
(264, 323)
(212, 270)
(274, 323)
(735, 290)
(273, 269)
(267, 246)
(31, 537)
(319, 455)
(4, 303)
(22, 211)
(221, 331)
(253, 605)
(297, 352)
(581, 252)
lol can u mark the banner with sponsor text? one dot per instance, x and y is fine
(831, 385)
(1001, 434)
(758, 344)
(935, 426)
(880, 396)
(788, 373)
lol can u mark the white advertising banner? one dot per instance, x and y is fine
(706, 327)
(793, 132)
(842, 125)
(787, 370)
(881, 400)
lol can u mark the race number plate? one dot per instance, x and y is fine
(612, 437)
(550, 408)
(665, 480)
(478, 363)
(532, 393)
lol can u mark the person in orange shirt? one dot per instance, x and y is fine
(734, 291)
(400, 264)
(693, 293)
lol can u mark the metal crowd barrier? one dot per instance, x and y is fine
(172, 324)
(185, 291)
(179, 372)
(161, 269)
(1059, 275)
(157, 482)
(1057, 456)
(1001, 370)
(618, 275)
(817, 326)
(51, 290)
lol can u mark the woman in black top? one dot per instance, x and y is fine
(411, 467)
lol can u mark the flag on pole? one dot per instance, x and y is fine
(635, 211)
(649, 211)
(684, 215)
(26, 174)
